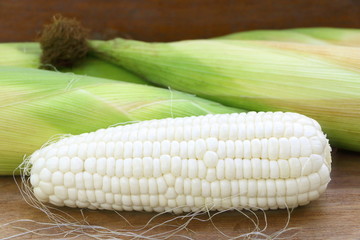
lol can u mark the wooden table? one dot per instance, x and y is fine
(336, 215)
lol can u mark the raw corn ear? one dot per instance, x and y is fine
(322, 82)
(27, 54)
(315, 36)
(38, 104)
(213, 162)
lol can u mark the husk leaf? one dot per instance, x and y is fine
(27, 54)
(312, 35)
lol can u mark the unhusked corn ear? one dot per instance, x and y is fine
(76, 102)
(265, 160)
(317, 81)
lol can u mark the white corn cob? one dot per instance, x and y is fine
(249, 160)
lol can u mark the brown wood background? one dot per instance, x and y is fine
(167, 20)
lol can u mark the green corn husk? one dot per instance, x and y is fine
(315, 35)
(37, 104)
(27, 54)
(322, 82)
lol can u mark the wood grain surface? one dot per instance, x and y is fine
(334, 216)
(164, 20)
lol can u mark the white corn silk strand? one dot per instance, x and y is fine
(243, 160)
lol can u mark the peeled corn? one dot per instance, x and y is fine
(250, 160)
